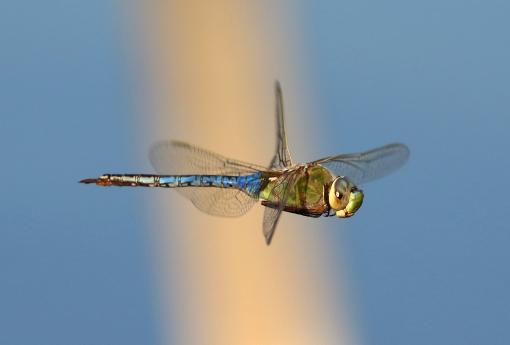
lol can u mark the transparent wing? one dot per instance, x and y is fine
(367, 166)
(282, 157)
(280, 192)
(178, 158)
(219, 201)
(271, 217)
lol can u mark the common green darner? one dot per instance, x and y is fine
(222, 186)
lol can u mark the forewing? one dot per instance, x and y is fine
(282, 157)
(271, 217)
(178, 158)
(272, 214)
(367, 166)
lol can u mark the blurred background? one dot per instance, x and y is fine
(87, 87)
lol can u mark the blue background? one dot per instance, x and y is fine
(428, 266)
(75, 263)
(431, 265)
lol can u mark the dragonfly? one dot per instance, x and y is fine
(222, 186)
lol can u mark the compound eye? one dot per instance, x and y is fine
(337, 191)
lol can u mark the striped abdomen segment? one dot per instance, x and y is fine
(250, 183)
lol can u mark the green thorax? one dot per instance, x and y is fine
(306, 194)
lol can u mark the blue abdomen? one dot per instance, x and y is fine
(249, 183)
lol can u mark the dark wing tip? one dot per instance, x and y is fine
(406, 149)
(269, 238)
(277, 87)
(403, 151)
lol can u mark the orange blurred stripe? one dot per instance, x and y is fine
(212, 67)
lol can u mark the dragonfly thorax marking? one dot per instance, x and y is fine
(306, 194)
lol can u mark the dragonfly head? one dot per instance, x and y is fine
(344, 197)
